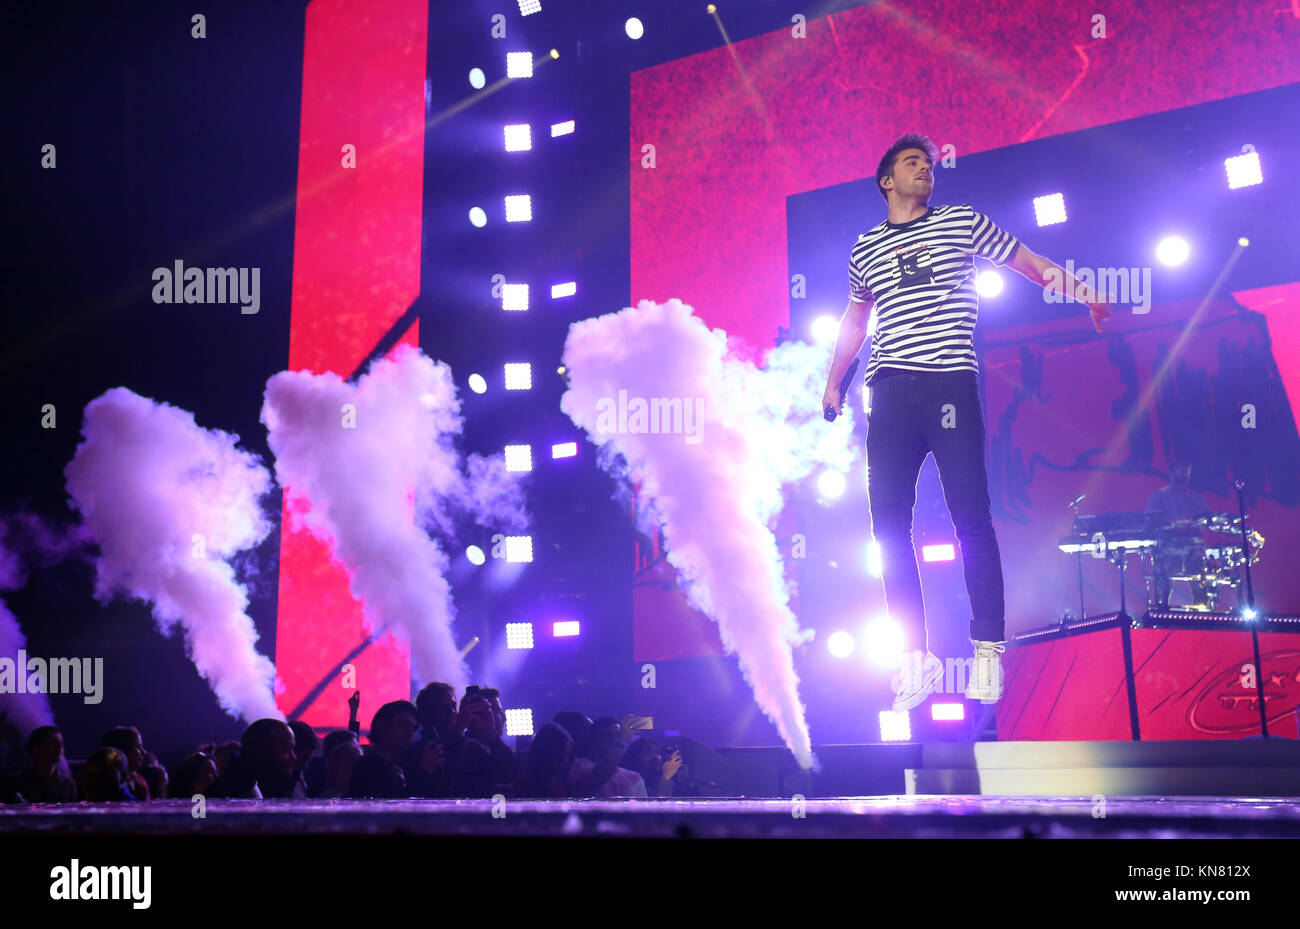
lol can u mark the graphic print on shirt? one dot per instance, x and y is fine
(920, 279)
(912, 265)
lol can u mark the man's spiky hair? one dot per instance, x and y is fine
(904, 142)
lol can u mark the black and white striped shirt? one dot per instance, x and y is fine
(921, 276)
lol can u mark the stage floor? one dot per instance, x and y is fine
(879, 817)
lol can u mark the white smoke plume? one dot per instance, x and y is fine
(349, 456)
(716, 484)
(168, 503)
(25, 710)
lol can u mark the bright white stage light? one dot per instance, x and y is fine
(565, 627)
(519, 137)
(475, 555)
(478, 217)
(947, 711)
(1249, 613)
(1050, 210)
(840, 644)
(1243, 170)
(871, 323)
(882, 639)
(519, 458)
(477, 79)
(477, 383)
(567, 289)
(830, 484)
(529, 7)
(564, 128)
(519, 549)
(824, 329)
(988, 283)
(944, 552)
(519, 635)
(564, 450)
(1173, 250)
(514, 296)
(519, 208)
(519, 64)
(519, 722)
(519, 375)
(895, 726)
(634, 28)
(875, 565)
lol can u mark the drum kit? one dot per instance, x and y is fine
(1208, 553)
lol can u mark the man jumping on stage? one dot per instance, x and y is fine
(917, 270)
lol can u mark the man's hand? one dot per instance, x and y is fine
(831, 399)
(481, 723)
(431, 757)
(1098, 309)
(472, 710)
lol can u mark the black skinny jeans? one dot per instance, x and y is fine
(914, 413)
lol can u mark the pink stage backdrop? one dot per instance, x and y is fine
(737, 130)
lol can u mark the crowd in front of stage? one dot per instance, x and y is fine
(435, 747)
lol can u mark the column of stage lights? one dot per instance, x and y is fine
(519, 141)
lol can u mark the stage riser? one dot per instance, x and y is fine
(1108, 782)
(1165, 683)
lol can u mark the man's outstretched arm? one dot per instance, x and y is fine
(1045, 272)
(853, 332)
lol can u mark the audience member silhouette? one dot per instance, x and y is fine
(44, 780)
(392, 733)
(127, 740)
(263, 769)
(103, 779)
(644, 757)
(547, 764)
(465, 769)
(195, 774)
(600, 775)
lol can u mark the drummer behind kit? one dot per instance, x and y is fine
(1177, 538)
(1181, 557)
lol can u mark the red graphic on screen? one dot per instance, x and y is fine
(356, 270)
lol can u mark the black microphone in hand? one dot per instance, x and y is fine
(829, 413)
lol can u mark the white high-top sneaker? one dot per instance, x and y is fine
(985, 684)
(916, 679)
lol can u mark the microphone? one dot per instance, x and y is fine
(1075, 502)
(829, 413)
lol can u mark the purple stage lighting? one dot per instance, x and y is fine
(519, 721)
(1050, 210)
(895, 726)
(1243, 170)
(840, 644)
(519, 635)
(944, 552)
(882, 639)
(519, 457)
(947, 712)
(1172, 250)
